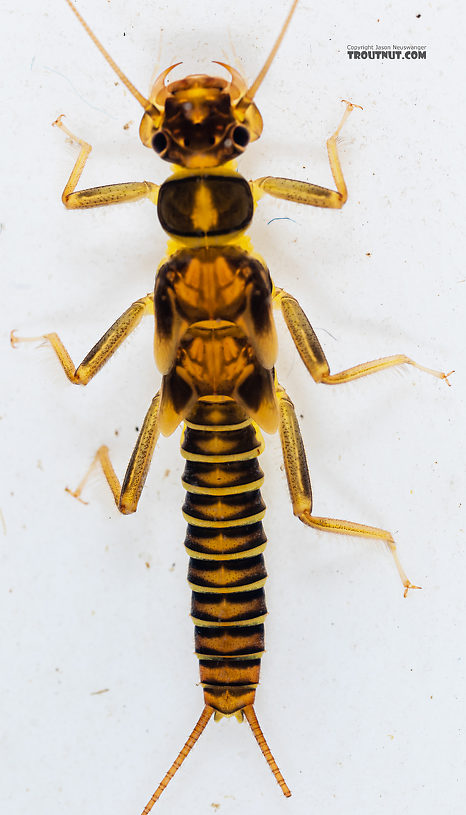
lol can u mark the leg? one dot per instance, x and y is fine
(128, 494)
(299, 485)
(103, 350)
(300, 192)
(100, 196)
(311, 353)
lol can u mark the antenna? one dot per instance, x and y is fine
(251, 92)
(141, 99)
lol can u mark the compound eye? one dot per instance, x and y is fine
(240, 136)
(160, 142)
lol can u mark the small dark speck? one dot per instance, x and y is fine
(368, 254)
(137, 429)
(116, 432)
(147, 564)
(124, 33)
(172, 567)
(301, 416)
(418, 16)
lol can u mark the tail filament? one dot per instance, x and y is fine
(250, 714)
(191, 741)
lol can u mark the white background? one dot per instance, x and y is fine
(362, 692)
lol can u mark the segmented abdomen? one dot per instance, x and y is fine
(225, 540)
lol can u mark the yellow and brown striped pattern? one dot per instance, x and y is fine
(225, 540)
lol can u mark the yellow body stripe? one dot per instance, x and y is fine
(215, 657)
(228, 589)
(234, 624)
(232, 556)
(216, 687)
(251, 519)
(221, 459)
(254, 485)
(218, 428)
